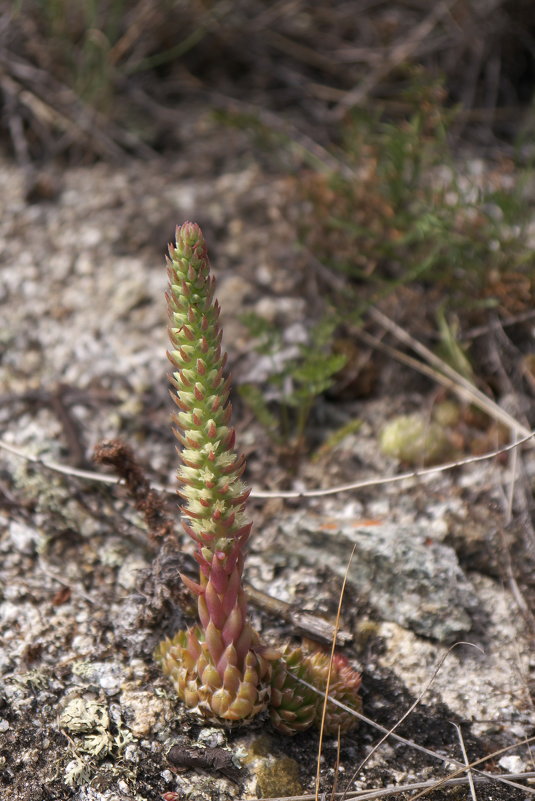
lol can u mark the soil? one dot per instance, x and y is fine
(84, 596)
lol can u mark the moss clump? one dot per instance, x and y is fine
(278, 777)
(414, 439)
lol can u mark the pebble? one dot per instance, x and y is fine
(23, 537)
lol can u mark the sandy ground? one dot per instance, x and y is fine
(84, 711)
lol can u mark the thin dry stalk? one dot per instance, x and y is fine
(466, 761)
(90, 475)
(56, 106)
(497, 325)
(461, 392)
(329, 674)
(507, 561)
(141, 20)
(511, 489)
(336, 765)
(393, 790)
(499, 752)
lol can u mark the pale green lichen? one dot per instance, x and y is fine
(88, 722)
(413, 439)
(83, 715)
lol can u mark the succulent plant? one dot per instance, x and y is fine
(219, 667)
(293, 706)
(344, 686)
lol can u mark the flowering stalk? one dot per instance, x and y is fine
(218, 667)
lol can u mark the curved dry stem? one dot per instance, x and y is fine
(91, 475)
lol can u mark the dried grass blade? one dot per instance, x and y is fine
(469, 775)
(329, 674)
(477, 397)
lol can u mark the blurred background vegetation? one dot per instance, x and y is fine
(104, 77)
(407, 128)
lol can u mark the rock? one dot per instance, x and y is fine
(144, 710)
(512, 764)
(408, 578)
(107, 676)
(23, 538)
(128, 574)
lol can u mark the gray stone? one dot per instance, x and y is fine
(108, 676)
(23, 537)
(408, 578)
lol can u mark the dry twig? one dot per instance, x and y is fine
(459, 382)
(90, 475)
(146, 500)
